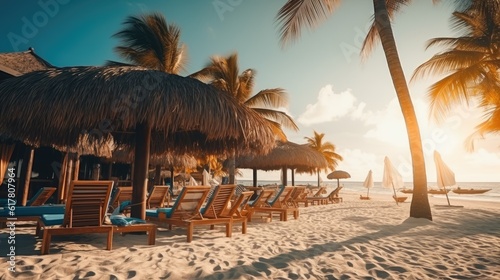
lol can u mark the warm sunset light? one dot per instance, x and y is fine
(250, 139)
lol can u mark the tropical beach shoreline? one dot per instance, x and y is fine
(355, 239)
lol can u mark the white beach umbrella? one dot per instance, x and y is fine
(445, 176)
(368, 183)
(206, 177)
(192, 181)
(391, 178)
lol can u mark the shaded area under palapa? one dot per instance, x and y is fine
(133, 106)
(283, 156)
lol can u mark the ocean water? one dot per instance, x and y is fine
(492, 196)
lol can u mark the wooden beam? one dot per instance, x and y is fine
(141, 166)
(27, 174)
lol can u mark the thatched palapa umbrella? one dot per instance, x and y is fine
(133, 105)
(284, 155)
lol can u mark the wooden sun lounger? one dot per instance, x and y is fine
(158, 196)
(84, 213)
(279, 205)
(239, 210)
(185, 212)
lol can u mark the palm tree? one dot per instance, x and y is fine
(327, 149)
(151, 42)
(223, 73)
(471, 62)
(297, 13)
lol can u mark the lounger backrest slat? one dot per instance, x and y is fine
(41, 196)
(87, 203)
(263, 198)
(189, 202)
(157, 197)
(219, 201)
(239, 207)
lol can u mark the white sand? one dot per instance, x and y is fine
(352, 240)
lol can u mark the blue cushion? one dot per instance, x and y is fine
(212, 196)
(124, 205)
(154, 212)
(4, 202)
(52, 219)
(34, 210)
(272, 201)
(151, 213)
(120, 220)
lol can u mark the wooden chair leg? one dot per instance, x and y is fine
(47, 236)
(109, 245)
(190, 229)
(244, 227)
(229, 229)
(152, 236)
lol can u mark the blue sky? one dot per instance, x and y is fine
(331, 90)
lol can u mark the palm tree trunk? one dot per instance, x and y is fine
(232, 168)
(420, 207)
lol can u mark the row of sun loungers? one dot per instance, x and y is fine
(91, 203)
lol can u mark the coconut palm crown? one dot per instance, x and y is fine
(223, 73)
(470, 66)
(326, 148)
(149, 41)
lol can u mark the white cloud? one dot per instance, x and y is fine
(329, 106)
(387, 125)
(358, 163)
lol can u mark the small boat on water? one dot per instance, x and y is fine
(429, 191)
(400, 198)
(437, 191)
(470, 191)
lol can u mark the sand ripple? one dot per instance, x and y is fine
(352, 240)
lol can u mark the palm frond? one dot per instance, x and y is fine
(246, 84)
(151, 42)
(278, 116)
(297, 13)
(277, 130)
(275, 97)
(447, 62)
(452, 90)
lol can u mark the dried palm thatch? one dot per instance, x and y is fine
(58, 106)
(284, 155)
(167, 160)
(135, 106)
(19, 63)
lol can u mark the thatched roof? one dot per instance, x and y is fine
(19, 63)
(58, 106)
(167, 160)
(285, 154)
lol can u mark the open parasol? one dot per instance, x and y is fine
(445, 176)
(391, 178)
(368, 183)
(338, 174)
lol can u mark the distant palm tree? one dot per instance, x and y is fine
(327, 149)
(471, 65)
(297, 13)
(151, 42)
(223, 73)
